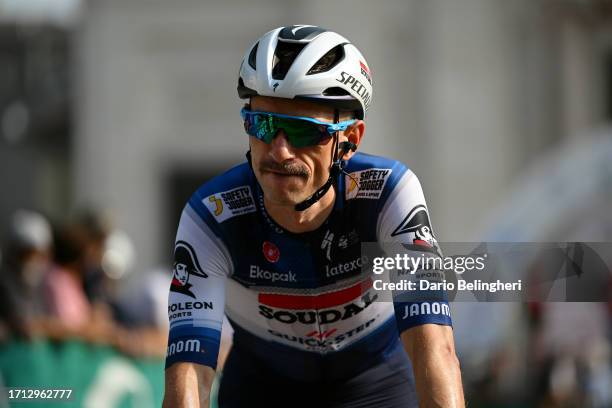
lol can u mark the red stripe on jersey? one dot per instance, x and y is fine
(322, 301)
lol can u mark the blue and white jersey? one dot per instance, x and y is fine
(301, 303)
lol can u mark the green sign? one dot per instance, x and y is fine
(98, 376)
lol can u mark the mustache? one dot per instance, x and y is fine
(293, 169)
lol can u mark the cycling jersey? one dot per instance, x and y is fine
(301, 303)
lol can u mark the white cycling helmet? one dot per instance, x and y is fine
(309, 63)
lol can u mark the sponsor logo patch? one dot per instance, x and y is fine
(417, 224)
(326, 308)
(326, 340)
(185, 346)
(183, 309)
(327, 243)
(255, 272)
(426, 308)
(270, 251)
(365, 71)
(356, 88)
(347, 240)
(185, 265)
(346, 267)
(368, 184)
(230, 203)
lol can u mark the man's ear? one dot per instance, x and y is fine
(353, 134)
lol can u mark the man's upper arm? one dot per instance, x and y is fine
(404, 220)
(197, 293)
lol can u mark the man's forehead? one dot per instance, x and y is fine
(291, 107)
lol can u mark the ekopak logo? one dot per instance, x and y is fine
(270, 252)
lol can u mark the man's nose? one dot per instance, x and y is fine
(280, 148)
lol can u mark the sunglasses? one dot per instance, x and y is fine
(301, 131)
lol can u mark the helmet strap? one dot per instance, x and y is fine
(248, 157)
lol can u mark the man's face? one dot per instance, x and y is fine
(289, 175)
(181, 273)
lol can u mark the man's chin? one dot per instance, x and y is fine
(283, 189)
(289, 198)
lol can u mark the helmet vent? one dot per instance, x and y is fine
(253, 57)
(300, 33)
(328, 61)
(284, 55)
(336, 91)
(244, 91)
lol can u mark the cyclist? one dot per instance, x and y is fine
(274, 244)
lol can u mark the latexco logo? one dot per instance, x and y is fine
(345, 267)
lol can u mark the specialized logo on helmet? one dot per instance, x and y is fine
(357, 88)
(417, 223)
(185, 264)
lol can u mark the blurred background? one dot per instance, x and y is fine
(113, 112)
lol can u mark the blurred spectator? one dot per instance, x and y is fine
(114, 272)
(141, 307)
(93, 228)
(570, 355)
(131, 310)
(26, 261)
(145, 300)
(74, 283)
(108, 258)
(64, 283)
(39, 297)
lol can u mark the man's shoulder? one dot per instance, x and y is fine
(239, 175)
(227, 195)
(362, 161)
(369, 177)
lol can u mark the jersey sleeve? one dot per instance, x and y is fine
(197, 293)
(404, 225)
